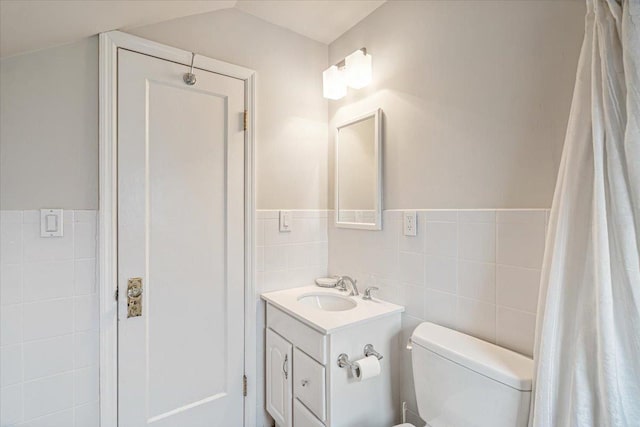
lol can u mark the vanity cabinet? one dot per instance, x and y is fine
(305, 386)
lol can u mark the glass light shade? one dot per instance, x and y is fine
(334, 85)
(359, 70)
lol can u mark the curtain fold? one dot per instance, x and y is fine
(587, 350)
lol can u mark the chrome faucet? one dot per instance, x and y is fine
(342, 286)
(367, 292)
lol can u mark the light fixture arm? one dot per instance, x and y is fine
(343, 62)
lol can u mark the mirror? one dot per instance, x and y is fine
(358, 182)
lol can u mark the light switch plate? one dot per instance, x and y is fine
(410, 223)
(51, 224)
(285, 221)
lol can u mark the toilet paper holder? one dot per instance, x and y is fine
(344, 362)
(370, 351)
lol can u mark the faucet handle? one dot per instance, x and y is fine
(367, 292)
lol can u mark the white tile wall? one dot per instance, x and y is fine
(476, 271)
(366, 216)
(48, 322)
(285, 260)
(294, 258)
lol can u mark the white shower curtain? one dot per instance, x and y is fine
(587, 351)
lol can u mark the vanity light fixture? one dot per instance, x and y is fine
(358, 68)
(354, 71)
(334, 84)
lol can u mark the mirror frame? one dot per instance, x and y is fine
(377, 225)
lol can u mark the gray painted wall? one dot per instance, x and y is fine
(49, 128)
(49, 113)
(475, 95)
(291, 129)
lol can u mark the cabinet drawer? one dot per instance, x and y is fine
(309, 383)
(302, 417)
(309, 340)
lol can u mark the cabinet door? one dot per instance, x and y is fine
(279, 379)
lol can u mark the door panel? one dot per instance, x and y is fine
(180, 229)
(186, 229)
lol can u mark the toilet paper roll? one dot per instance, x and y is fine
(368, 367)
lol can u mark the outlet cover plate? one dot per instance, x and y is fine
(410, 223)
(51, 223)
(285, 221)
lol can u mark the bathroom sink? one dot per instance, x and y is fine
(327, 302)
(327, 310)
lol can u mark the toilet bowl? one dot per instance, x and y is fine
(462, 381)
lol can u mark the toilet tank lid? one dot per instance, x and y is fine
(487, 359)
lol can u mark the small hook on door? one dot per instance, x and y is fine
(190, 78)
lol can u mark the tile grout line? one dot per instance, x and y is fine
(73, 310)
(22, 316)
(495, 280)
(458, 245)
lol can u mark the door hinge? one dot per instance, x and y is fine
(115, 295)
(244, 385)
(245, 120)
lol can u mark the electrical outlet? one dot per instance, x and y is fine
(410, 222)
(285, 221)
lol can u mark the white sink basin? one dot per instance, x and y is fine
(327, 302)
(328, 310)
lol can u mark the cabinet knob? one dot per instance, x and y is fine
(304, 383)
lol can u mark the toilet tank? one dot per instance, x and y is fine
(461, 381)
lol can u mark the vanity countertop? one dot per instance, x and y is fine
(328, 322)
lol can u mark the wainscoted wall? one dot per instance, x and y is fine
(351, 215)
(476, 271)
(473, 270)
(285, 260)
(49, 322)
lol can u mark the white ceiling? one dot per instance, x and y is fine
(37, 24)
(29, 25)
(321, 20)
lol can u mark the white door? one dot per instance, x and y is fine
(279, 378)
(181, 231)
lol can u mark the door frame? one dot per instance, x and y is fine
(109, 44)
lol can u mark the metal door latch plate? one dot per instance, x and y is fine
(134, 297)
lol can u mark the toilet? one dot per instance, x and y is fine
(462, 381)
